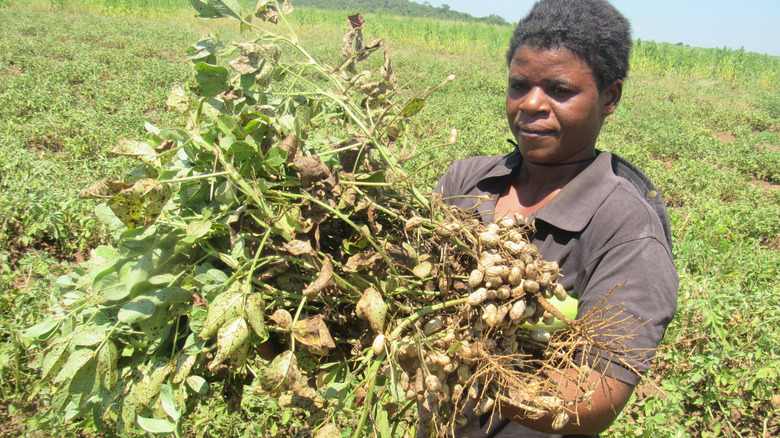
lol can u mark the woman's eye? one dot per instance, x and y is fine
(518, 85)
(561, 91)
(519, 90)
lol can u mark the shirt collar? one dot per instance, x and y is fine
(574, 206)
(501, 174)
(513, 159)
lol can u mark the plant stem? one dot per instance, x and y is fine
(346, 219)
(424, 311)
(194, 178)
(372, 373)
(553, 310)
(295, 319)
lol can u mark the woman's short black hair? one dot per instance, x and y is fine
(593, 30)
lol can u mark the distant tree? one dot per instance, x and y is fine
(445, 7)
(496, 19)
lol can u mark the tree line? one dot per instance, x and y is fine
(404, 8)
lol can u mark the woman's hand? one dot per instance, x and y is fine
(595, 413)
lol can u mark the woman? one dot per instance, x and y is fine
(594, 213)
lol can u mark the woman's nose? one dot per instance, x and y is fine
(535, 101)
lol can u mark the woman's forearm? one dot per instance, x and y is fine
(587, 415)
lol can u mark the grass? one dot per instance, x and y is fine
(75, 76)
(74, 85)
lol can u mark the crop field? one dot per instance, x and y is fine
(78, 76)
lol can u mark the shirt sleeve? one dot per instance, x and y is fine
(633, 285)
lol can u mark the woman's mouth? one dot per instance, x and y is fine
(535, 131)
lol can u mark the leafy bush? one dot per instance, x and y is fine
(224, 216)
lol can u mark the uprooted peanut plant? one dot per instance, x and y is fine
(275, 247)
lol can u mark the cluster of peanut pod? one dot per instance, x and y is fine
(445, 360)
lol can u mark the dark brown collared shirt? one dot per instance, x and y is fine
(607, 227)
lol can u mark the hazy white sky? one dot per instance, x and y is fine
(752, 24)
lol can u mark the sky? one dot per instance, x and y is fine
(752, 24)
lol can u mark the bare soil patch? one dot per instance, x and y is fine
(768, 186)
(774, 244)
(667, 162)
(47, 144)
(726, 137)
(13, 70)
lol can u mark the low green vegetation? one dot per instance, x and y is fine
(76, 76)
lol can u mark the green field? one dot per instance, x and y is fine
(76, 76)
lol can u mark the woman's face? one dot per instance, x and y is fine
(554, 107)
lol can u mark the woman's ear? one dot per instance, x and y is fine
(610, 97)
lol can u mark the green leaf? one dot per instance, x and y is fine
(105, 253)
(766, 371)
(107, 358)
(275, 157)
(103, 267)
(413, 107)
(75, 362)
(228, 125)
(138, 241)
(168, 402)
(205, 50)
(232, 343)
(156, 325)
(212, 80)
(287, 226)
(184, 364)
(197, 230)
(242, 151)
(136, 149)
(237, 252)
(198, 384)
(204, 9)
(139, 272)
(227, 8)
(225, 193)
(378, 176)
(302, 120)
(67, 281)
(282, 374)
(382, 424)
(172, 295)
(177, 100)
(219, 276)
(59, 399)
(255, 314)
(83, 385)
(139, 309)
(89, 336)
(191, 192)
(72, 410)
(153, 379)
(111, 287)
(54, 358)
(162, 279)
(156, 425)
(40, 331)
